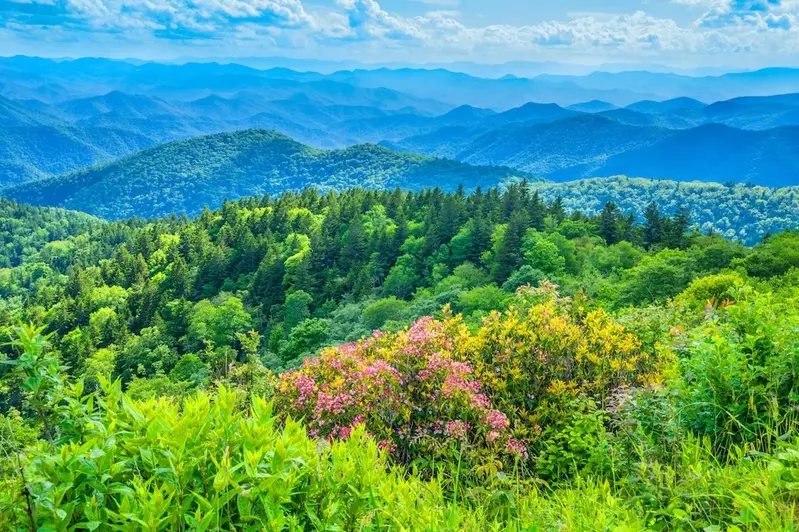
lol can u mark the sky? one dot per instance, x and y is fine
(682, 33)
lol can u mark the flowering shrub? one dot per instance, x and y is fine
(405, 388)
(437, 387)
(545, 351)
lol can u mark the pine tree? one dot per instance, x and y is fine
(509, 256)
(608, 223)
(354, 251)
(480, 237)
(653, 226)
(537, 212)
(557, 211)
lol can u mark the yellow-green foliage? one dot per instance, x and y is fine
(208, 464)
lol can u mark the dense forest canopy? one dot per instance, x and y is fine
(737, 211)
(308, 269)
(501, 360)
(185, 176)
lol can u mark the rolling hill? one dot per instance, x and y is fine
(185, 176)
(742, 212)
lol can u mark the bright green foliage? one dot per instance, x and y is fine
(296, 308)
(653, 388)
(378, 313)
(218, 322)
(742, 373)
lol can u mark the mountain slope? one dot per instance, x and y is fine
(715, 152)
(30, 152)
(185, 176)
(562, 149)
(675, 104)
(743, 212)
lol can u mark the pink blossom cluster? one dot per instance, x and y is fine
(305, 386)
(457, 430)
(496, 420)
(405, 388)
(516, 447)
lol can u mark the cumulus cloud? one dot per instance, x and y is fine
(757, 14)
(722, 26)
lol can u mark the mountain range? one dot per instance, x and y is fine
(59, 120)
(39, 139)
(185, 176)
(56, 80)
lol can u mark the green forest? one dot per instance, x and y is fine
(742, 212)
(409, 360)
(187, 175)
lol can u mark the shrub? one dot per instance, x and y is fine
(740, 373)
(379, 312)
(712, 290)
(406, 389)
(426, 390)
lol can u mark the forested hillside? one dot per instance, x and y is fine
(743, 212)
(25, 231)
(185, 176)
(565, 354)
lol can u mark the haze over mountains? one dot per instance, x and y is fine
(58, 117)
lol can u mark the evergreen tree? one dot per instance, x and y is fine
(608, 223)
(537, 212)
(354, 251)
(653, 226)
(509, 256)
(557, 210)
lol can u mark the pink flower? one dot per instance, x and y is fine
(348, 349)
(518, 448)
(496, 420)
(332, 404)
(492, 436)
(480, 401)
(305, 385)
(381, 367)
(456, 383)
(457, 429)
(387, 445)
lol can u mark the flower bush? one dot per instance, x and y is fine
(406, 389)
(438, 389)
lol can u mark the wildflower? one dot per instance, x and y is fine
(387, 446)
(457, 429)
(516, 447)
(496, 420)
(305, 385)
(480, 401)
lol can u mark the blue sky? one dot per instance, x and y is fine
(687, 33)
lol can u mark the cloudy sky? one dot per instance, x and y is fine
(688, 33)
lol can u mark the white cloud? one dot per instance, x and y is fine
(721, 27)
